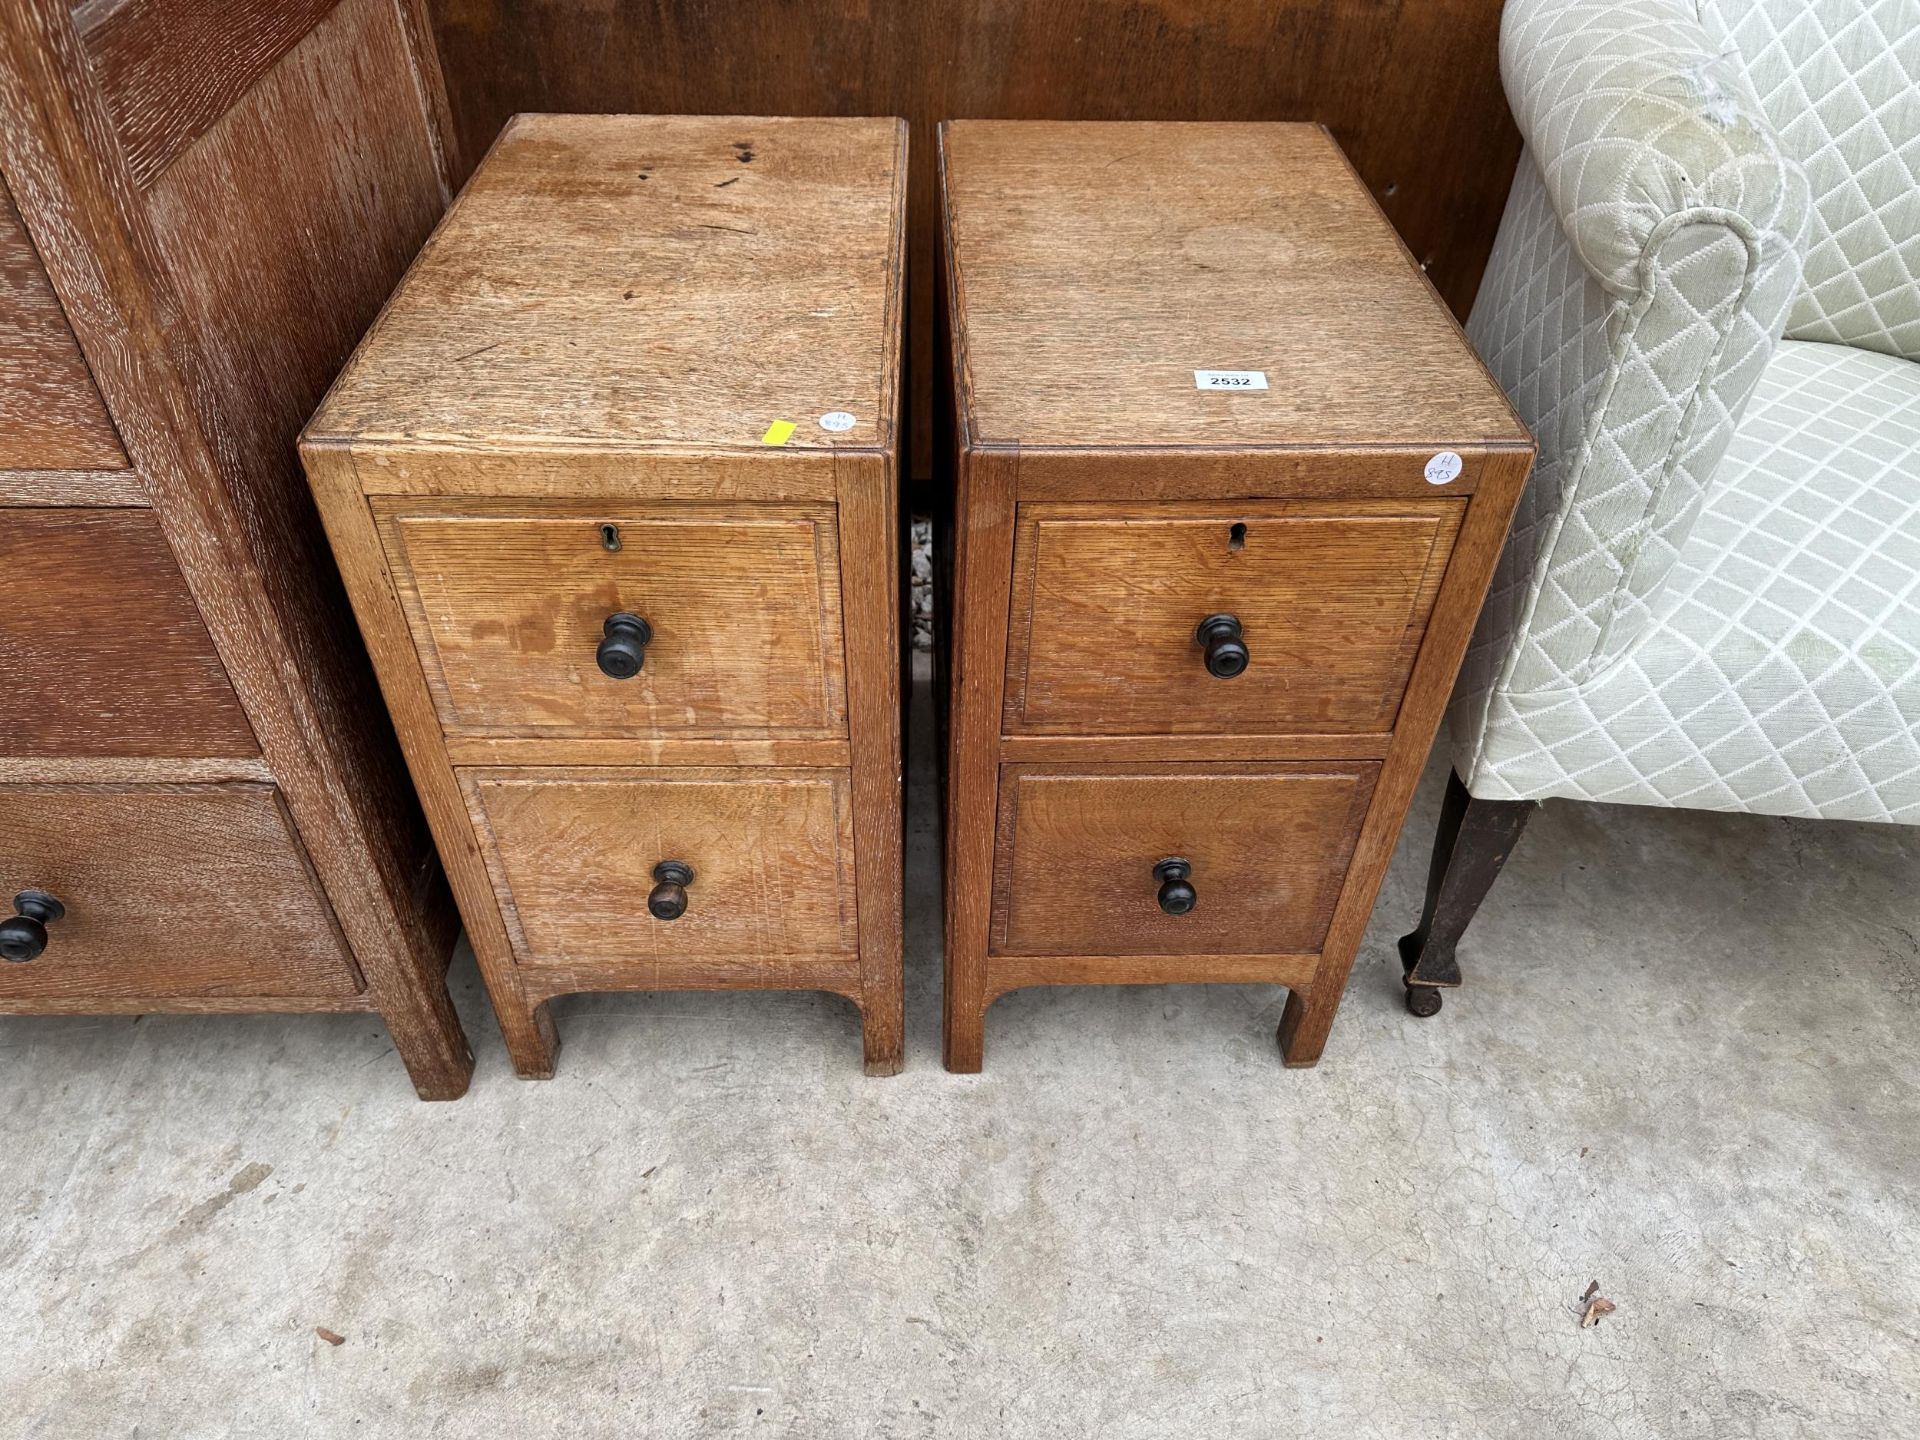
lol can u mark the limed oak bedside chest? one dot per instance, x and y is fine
(1230, 485)
(612, 483)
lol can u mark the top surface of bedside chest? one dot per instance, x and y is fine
(1097, 266)
(673, 283)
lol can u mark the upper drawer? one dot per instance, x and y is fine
(1331, 600)
(169, 891)
(101, 646)
(51, 416)
(576, 854)
(509, 605)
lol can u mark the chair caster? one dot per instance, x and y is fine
(1423, 1001)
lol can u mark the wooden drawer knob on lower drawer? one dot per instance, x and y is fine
(1177, 895)
(668, 898)
(623, 653)
(24, 937)
(1226, 648)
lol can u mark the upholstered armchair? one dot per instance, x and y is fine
(1711, 595)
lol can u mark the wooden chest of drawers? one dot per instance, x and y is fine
(1229, 489)
(202, 807)
(612, 483)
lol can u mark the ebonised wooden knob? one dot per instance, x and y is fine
(1226, 649)
(24, 937)
(668, 898)
(624, 650)
(1177, 896)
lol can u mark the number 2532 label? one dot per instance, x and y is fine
(1229, 379)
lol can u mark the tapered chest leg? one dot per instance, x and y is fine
(533, 1042)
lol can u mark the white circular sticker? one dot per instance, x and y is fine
(1444, 467)
(838, 421)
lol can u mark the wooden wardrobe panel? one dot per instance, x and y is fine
(101, 646)
(51, 416)
(216, 269)
(170, 69)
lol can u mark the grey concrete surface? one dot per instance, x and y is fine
(1685, 1067)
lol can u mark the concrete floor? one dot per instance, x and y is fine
(1685, 1067)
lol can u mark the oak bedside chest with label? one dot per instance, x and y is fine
(1230, 485)
(613, 485)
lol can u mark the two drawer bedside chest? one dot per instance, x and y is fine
(612, 484)
(1230, 485)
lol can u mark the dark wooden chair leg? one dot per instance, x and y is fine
(1473, 842)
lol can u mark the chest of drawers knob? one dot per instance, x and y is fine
(24, 937)
(668, 898)
(1226, 649)
(1177, 895)
(623, 651)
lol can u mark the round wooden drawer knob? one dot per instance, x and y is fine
(24, 937)
(623, 653)
(668, 898)
(1177, 895)
(1226, 648)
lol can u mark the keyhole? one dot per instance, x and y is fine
(1237, 536)
(610, 536)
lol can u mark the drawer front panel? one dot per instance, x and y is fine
(103, 650)
(1268, 846)
(1331, 598)
(170, 891)
(509, 608)
(572, 854)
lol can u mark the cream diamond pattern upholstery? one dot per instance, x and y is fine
(1841, 84)
(1709, 598)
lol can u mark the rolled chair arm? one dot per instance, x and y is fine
(1639, 123)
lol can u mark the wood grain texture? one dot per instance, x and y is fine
(106, 488)
(1102, 264)
(1308, 1016)
(835, 974)
(51, 416)
(873, 551)
(101, 641)
(1412, 91)
(982, 560)
(1017, 972)
(452, 469)
(1268, 844)
(170, 69)
(1333, 599)
(470, 750)
(532, 1043)
(508, 605)
(203, 348)
(572, 854)
(185, 890)
(1247, 472)
(1085, 749)
(752, 281)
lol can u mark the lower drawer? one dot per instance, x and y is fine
(1266, 847)
(170, 891)
(576, 856)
